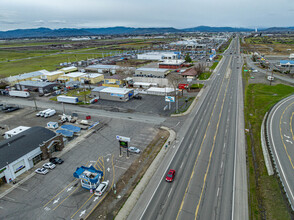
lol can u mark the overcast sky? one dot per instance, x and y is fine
(15, 14)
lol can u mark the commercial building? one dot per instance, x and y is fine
(69, 69)
(112, 81)
(41, 87)
(22, 151)
(152, 72)
(160, 91)
(172, 64)
(102, 68)
(287, 63)
(15, 131)
(52, 76)
(74, 76)
(159, 56)
(113, 93)
(12, 80)
(92, 78)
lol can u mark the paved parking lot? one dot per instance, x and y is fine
(58, 194)
(150, 104)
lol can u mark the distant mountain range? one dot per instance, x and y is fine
(73, 32)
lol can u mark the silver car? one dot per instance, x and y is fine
(134, 150)
(41, 171)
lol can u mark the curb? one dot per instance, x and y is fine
(134, 197)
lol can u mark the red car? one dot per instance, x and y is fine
(170, 175)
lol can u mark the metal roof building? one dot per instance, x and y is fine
(152, 72)
(113, 93)
(42, 87)
(22, 151)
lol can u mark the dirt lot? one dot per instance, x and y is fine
(126, 184)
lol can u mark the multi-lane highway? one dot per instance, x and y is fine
(280, 127)
(209, 156)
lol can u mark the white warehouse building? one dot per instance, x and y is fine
(158, 56)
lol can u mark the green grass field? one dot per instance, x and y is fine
(265, 197)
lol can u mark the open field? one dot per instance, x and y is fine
(267, 45)
(265, 197)
(17, 57)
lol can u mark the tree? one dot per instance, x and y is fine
(174, 79)
(188, 58)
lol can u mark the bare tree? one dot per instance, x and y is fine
(174, 79)
(199, 68)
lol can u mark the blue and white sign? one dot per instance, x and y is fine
(169, 98)
(121, 138)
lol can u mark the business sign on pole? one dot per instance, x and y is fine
(121, 138)
(169, 98)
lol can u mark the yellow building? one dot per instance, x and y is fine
(75, 76)
(52, 76)
(69, 69)
(12, 80)
(93, 78)
(112, 81)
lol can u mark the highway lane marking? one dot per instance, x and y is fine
(217, 192)
(280, 126)
(182, 164)
(212, 150)
(291, 118)
(286, 136)
(1, 207)
(192, 174)
(289, 141)
(171, 189)
(222, 164)
(274, 147)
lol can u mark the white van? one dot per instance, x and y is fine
(44, 112)
(50, 113)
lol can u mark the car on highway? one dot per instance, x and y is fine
(49, 165)
(170, 175)
(56, 160)
(101, 188)
(134, 150)
(254, 71)
(41, 171)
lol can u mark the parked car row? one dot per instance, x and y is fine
(49, 166)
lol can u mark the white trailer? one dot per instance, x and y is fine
(19, 93)
(50, 113)
(67, 99)
(44, 112)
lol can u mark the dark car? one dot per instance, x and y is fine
(137, 97)
(11, 109)
(170, 175)
(56, 160)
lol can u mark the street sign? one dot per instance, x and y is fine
(169, 98)
(121, 138)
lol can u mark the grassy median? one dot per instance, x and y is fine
(266, 200)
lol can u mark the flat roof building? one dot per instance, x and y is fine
(52, 76)
(12, 80)
(41, 87)
(158, 56)
(113, 93)
(152, 72)
(69, 69)
(171, 64)
(287, 63)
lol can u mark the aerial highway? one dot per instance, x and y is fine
(280, 126)
(208, 156)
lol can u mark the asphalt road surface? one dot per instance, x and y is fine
(280, 126)
(209, 156)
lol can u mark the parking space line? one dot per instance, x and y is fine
(121, 167)
(22, 188)
(10, 198)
